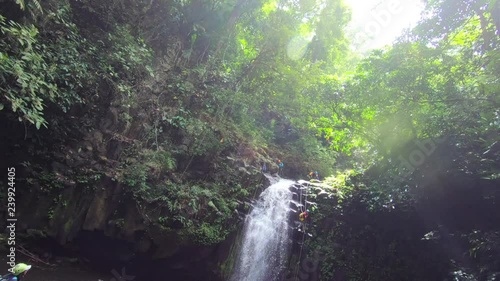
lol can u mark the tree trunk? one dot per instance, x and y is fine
(495, 14)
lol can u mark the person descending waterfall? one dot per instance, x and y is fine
(313, 175)
(280, 166)
(16, 273)
(304, 212)
(264, 167)
(303, 216)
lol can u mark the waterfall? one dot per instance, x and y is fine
(266, 236)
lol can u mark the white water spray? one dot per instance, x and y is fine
(266, 236)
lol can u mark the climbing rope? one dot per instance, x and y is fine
(300, 255)
(305, 200)
(300, 200)
(303, 209)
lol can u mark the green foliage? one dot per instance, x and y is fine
(205, 213)
(162, 160)
(349, 232)
(205, 139)
(137, 177)
(180, 120)
(141, 173)
(128, 58)
(71, 53)
(49, 182)
(38, 69)
(22, 61)
(201, 212)
(317, 156)
(53, 64)
(22, 4)
(207, 234)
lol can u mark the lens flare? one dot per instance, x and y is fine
(297, 47)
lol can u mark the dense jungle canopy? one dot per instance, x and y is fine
(148, 122)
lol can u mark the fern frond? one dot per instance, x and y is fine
(21, 3)
(38, 6)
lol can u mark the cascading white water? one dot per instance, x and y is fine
(266, 236)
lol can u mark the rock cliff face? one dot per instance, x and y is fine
(72, 188)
